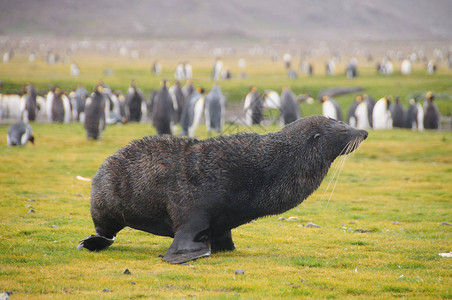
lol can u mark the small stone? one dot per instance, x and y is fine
(79, 195)
(396, 223)
(239, 272)
(253, 221)
(106, 290)
(361, 230)
(31, 211)
(292, 219)
(28, 206)
(446, 223)
(133, 283)
(343, 227)
(281, 219)
(449, 254)
(126, 272)
(310, 224)
(31, 200)
(54, 226)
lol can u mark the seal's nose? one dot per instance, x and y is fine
(364, 134)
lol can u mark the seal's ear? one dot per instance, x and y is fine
(317, 135)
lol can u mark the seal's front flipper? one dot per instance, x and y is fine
(222, 242)
(95, 243)
(186, 247)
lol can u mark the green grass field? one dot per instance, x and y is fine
(395, 176)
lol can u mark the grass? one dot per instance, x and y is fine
(395, 175)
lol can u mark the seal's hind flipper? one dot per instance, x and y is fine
(185, 247)
(181, 258)
(95, 243)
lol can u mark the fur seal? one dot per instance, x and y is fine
(197, 191)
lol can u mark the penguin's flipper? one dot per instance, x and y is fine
(95, 243)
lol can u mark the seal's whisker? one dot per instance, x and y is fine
(351, 146)
(336, 169)
(333, 175)
(340, 167)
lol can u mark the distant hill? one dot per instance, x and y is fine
(233, 19)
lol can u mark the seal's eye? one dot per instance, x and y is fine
(317, 135)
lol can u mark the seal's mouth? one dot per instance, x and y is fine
(354, 143)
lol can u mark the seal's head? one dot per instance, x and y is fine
(326, 136)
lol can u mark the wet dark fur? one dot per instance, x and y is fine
(197, 191)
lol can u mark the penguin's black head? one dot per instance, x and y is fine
(32, 139)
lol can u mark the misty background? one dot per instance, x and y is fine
(240, 20)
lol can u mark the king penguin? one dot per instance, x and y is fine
(253, 107)
(431, 112)
(214, 109)
(163, 111)
(192, 112)
(29, 105)
(289, 110)
(415, 116)
(178, 98)
(330, 108)
(95, 114)
(59, 107)
(134, 101)
(381, 114)
(19, 134)
(398, 113)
